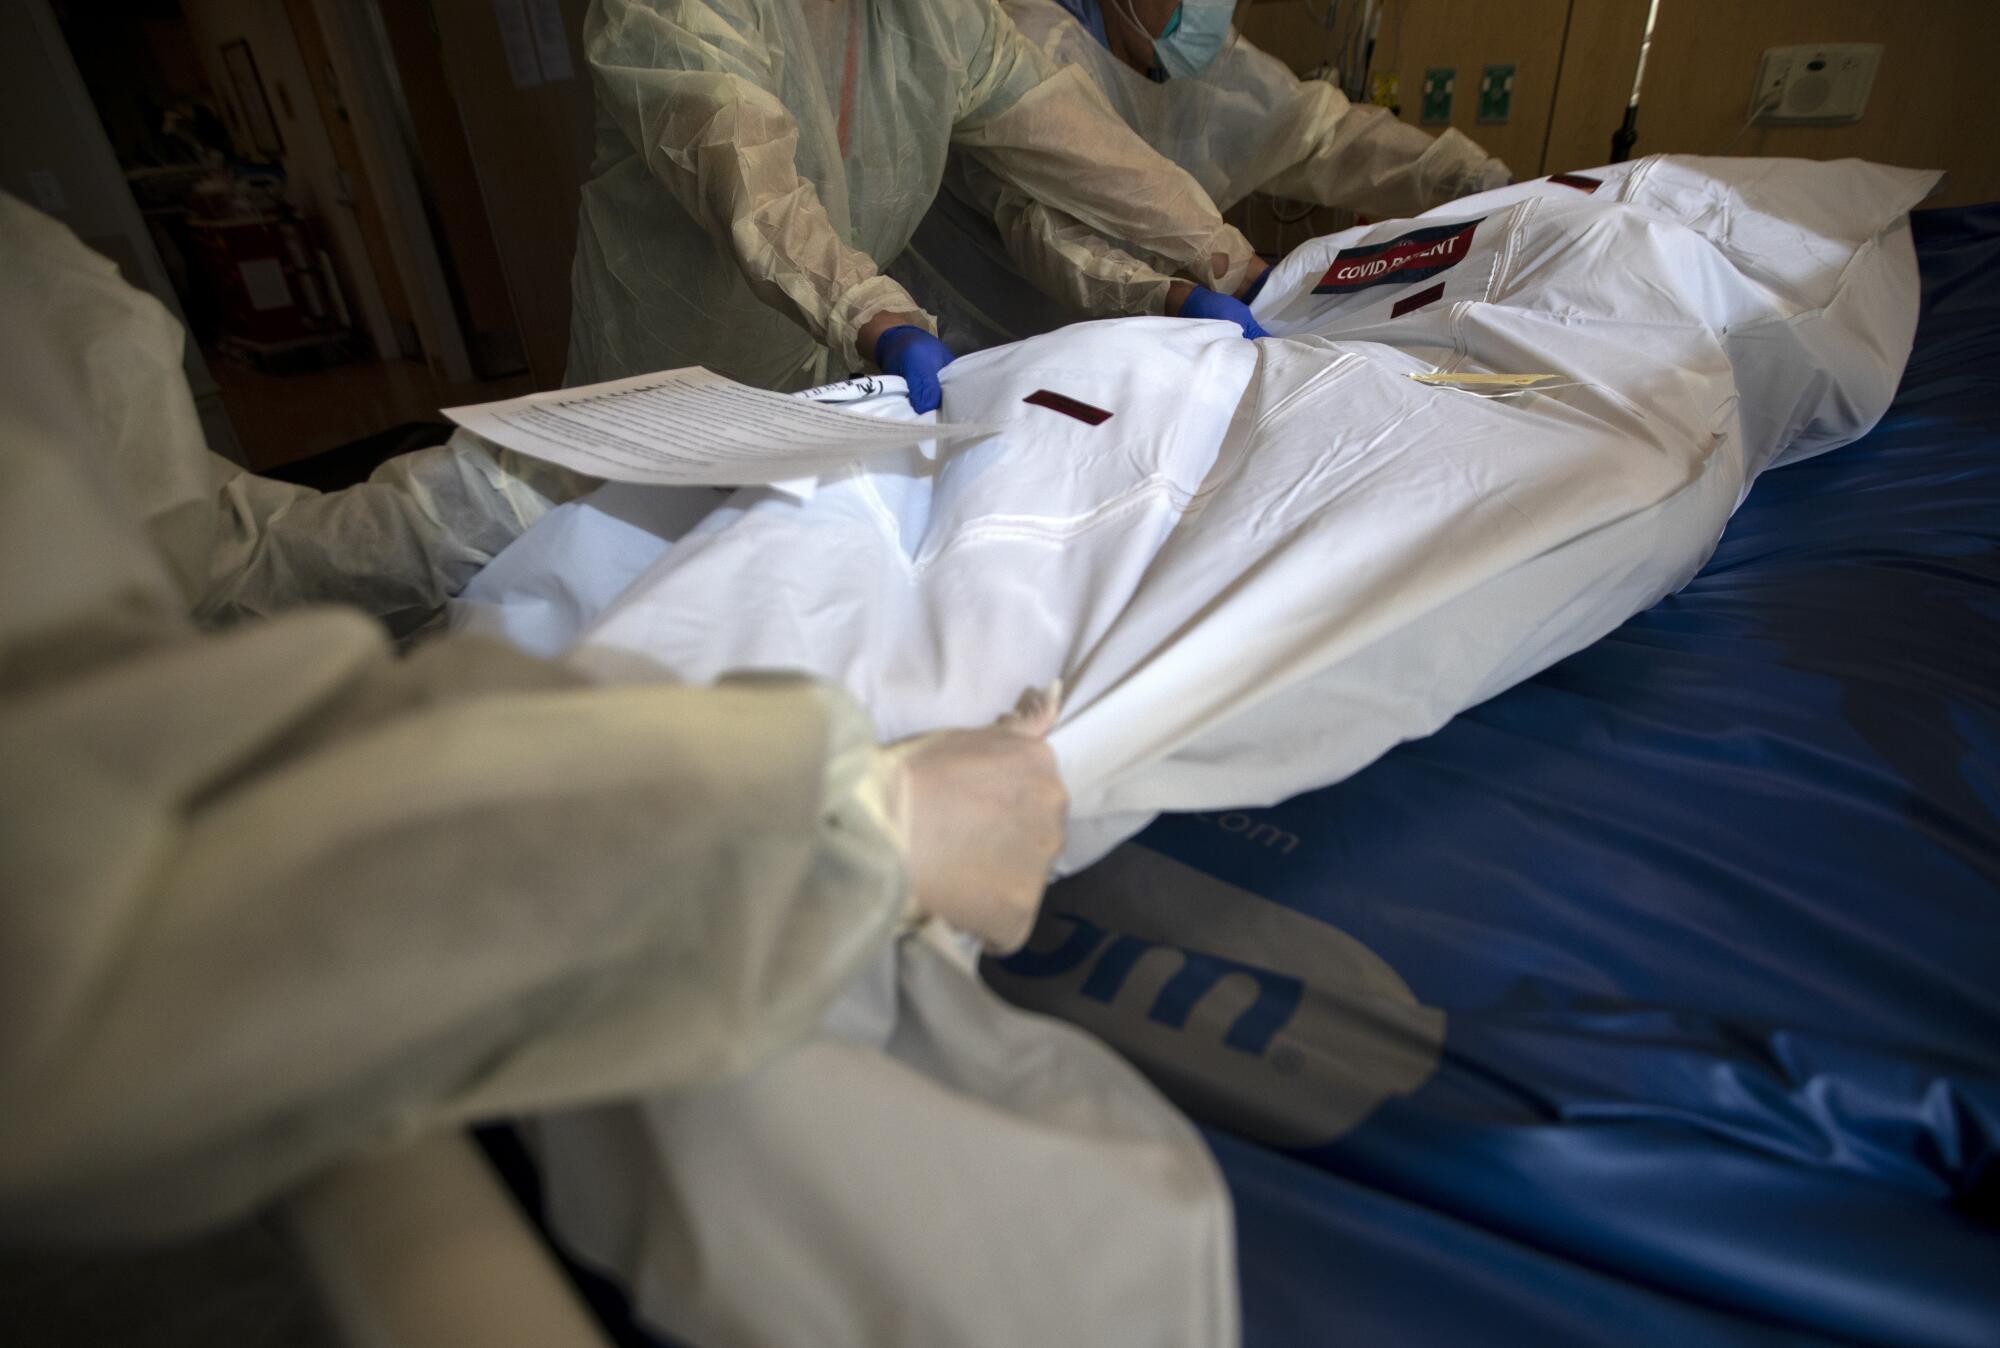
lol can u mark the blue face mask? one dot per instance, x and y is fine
(1194, 37)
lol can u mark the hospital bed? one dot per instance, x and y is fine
(1693, 935)
(1712, 913)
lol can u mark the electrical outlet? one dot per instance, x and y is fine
(1496, 94)
(1438, 84)
(1824, 83)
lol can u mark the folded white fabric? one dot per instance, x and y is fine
(1185, 526)
(936, 1168)
(1256, 567)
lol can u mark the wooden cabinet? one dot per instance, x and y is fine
(274, 287)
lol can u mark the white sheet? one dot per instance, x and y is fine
(1271, 563)
(1285, 520)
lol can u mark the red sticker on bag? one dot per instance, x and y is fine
(1409, 304)
(1413, 257)
(1577, 180)
(1069, 407)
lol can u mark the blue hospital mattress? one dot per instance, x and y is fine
(1712, 913)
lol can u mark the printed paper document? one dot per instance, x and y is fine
(692, 427)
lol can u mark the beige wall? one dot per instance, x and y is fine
(531, 149)
(1574, 62)
(462, 215)
(1415, 36)
(1927, 109)
(1465, 35)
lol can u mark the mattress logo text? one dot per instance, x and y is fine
(1251, 1031)
(1246, 1012)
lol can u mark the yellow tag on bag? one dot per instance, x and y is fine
(1498, 385)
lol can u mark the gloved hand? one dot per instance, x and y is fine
(1249, 296)
(1204, 303)
(917, 356)
(981, 817)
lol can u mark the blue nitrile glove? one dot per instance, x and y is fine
(1250, 295)
(1207, 304)
(917, 356)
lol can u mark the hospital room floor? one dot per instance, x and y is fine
(242, 1288)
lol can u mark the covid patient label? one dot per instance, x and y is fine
(1419, 254)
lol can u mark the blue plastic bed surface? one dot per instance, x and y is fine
(1712, 914)
(1712, 910)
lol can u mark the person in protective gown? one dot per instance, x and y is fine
(271, 893)
(759, 161)
(1234, 117)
